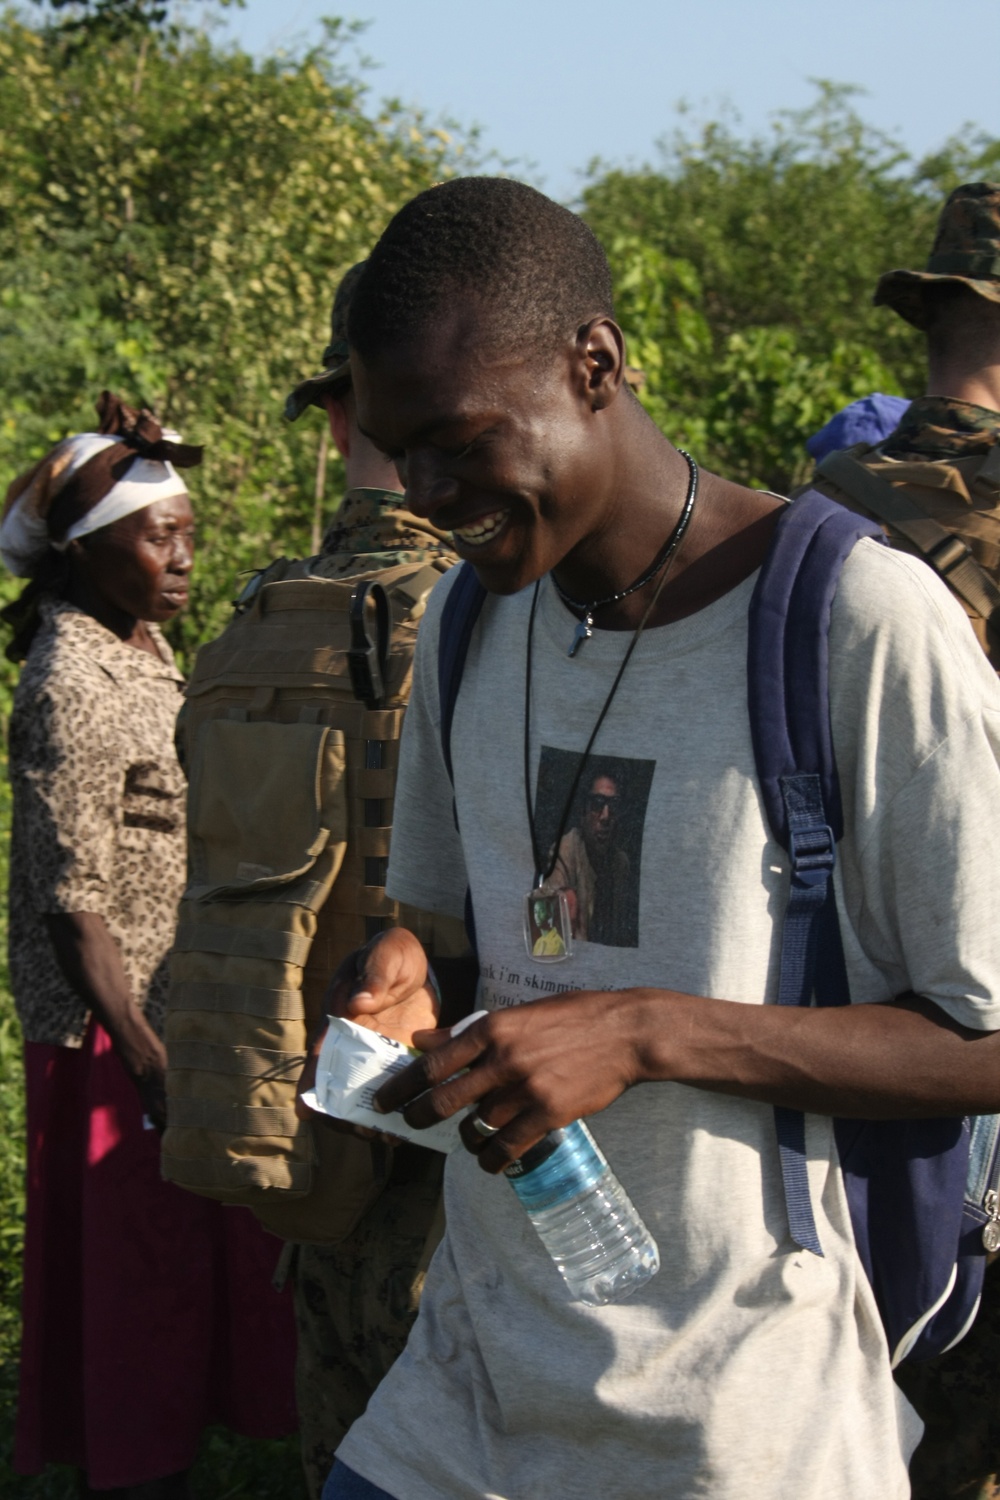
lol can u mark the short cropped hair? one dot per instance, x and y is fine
(537, 269)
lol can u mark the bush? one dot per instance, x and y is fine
(745, 270)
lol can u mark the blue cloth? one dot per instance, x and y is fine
(866, 421)
(345, 1484)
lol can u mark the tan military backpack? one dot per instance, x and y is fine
(946, 511)
(290, 736)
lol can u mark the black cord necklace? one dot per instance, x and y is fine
(543, 866)
(585, 627)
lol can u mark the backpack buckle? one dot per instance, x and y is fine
(947, 554)
(366, 658)
(813, 853)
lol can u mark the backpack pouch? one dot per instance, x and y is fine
(287, 766)
(268, 831)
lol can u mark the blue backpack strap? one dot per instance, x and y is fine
(788, 698)
(458, 618)
(788, 661)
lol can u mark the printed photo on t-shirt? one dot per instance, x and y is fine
(596, 848)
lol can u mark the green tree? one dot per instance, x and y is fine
(745, 270)
(174, 216)
(106, 20)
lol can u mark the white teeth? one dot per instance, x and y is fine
(482, 530)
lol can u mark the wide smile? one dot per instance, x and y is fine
(482, 530)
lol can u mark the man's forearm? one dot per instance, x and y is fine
(904, 1059)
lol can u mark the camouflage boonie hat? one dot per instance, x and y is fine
(336, 375)
(966, 252)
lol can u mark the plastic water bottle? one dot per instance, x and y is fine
(584, 1217)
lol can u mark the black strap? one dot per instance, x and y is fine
(366, 658)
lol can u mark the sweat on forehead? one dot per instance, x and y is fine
(535, 269)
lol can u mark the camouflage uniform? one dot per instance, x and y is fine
(355, 1302)
(938, 428)
(373, 529)
(945, 455)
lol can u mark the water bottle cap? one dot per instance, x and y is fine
(536, 1154)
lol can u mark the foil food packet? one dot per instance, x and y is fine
(353, 1064)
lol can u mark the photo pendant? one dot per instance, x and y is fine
(548, 927)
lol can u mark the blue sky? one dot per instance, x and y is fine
(558, 82)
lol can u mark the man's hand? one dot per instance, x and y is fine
(530, 1070)
(383, 986)
(543, 1065)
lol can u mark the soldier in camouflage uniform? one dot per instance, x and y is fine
(355, 1302)
(944, 456)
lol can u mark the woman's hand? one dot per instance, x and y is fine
(89, 958)
(144, 1058)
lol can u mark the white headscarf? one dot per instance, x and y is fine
(24, 527)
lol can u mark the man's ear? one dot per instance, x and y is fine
(601, 353)
(340, 423)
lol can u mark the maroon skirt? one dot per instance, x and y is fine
(148, 1312)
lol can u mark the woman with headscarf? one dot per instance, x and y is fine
(147, 1312)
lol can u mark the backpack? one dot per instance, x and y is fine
(942, 547)
(922, 1194)
(290, 735)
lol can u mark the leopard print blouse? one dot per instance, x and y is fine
(98, 814)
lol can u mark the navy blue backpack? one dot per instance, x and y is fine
(923, 1194)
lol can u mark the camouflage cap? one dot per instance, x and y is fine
(966, 252)
(336, 373)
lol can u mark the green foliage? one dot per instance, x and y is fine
(86, 21)
(745, 270)
(174, 218)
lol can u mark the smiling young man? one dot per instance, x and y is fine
(488, 365)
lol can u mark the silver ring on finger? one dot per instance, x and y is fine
(480, 1126)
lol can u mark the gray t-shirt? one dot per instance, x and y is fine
(745, 1367)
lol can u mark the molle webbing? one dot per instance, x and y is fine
(212, 1114)
(245, 999)
(290, 817)
(242, 1062)
(229, 942)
